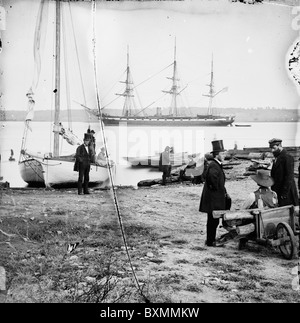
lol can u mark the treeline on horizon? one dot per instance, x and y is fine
(241, 114)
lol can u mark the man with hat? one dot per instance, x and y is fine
(283, 174)
(83, 164)
(263, 197)
(214, 191)
(92, 144)
(165, 164)
(299, 178)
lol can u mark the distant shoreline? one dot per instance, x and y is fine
(259, 114)
(238, 122)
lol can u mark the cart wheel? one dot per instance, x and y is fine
(288, 247)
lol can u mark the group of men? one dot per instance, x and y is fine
(275, 188)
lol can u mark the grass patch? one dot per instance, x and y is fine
(194, 288)
(169, 279)
(39, 268)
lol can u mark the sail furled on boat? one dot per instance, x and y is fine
(68, 135)
(39, 39)
(30, 109)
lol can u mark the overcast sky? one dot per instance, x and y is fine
(249, 43)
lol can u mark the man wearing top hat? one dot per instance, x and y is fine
(283, 174)
(83, 164)
(214, 191)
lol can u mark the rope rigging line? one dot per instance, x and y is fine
(113, 99)
(150, 77)
(150, 104)
(107, 159)
(139, 85)
(78, 61)
(66, 73)
(108, 92)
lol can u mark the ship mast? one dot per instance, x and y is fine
(211, 93)
(128, 106)
(57, 79)
(173, 111)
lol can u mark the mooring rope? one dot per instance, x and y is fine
(107, 159)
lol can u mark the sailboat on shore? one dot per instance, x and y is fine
(175, 117)
(52, 169)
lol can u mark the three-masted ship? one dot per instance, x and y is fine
(133, 117)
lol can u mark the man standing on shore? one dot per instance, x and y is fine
(213, 194)
(165, 164)
(83, 164)
(283, 174)
(299, 179)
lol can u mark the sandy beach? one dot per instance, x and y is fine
(165, 234)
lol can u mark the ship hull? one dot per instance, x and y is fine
(55, 172)
(169, 122)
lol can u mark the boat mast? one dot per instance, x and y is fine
(211, 89)
(128, 93)
(57, 79)
(174, 89)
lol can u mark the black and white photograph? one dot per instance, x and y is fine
(149, 153)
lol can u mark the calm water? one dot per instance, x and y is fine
(139, 141)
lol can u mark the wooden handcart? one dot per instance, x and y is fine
(275, 227)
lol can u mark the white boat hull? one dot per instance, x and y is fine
(31, 172)
(55, 172)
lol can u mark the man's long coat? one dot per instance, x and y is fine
(83, 159)
(284, 182)
(213, 194)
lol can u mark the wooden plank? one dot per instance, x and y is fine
(218, 214)
(238, 215)
(245, 229)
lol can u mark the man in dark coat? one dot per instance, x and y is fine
(283, 174)
(165, 164)
(83, 157)
(92, 144)
(299, 178)
(214, 191)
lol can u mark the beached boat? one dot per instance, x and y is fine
(50, 168)
(176, 159)
(133, 117)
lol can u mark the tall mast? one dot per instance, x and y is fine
(128, 93)
(57, 79)
(211, 93)
(174, 89)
